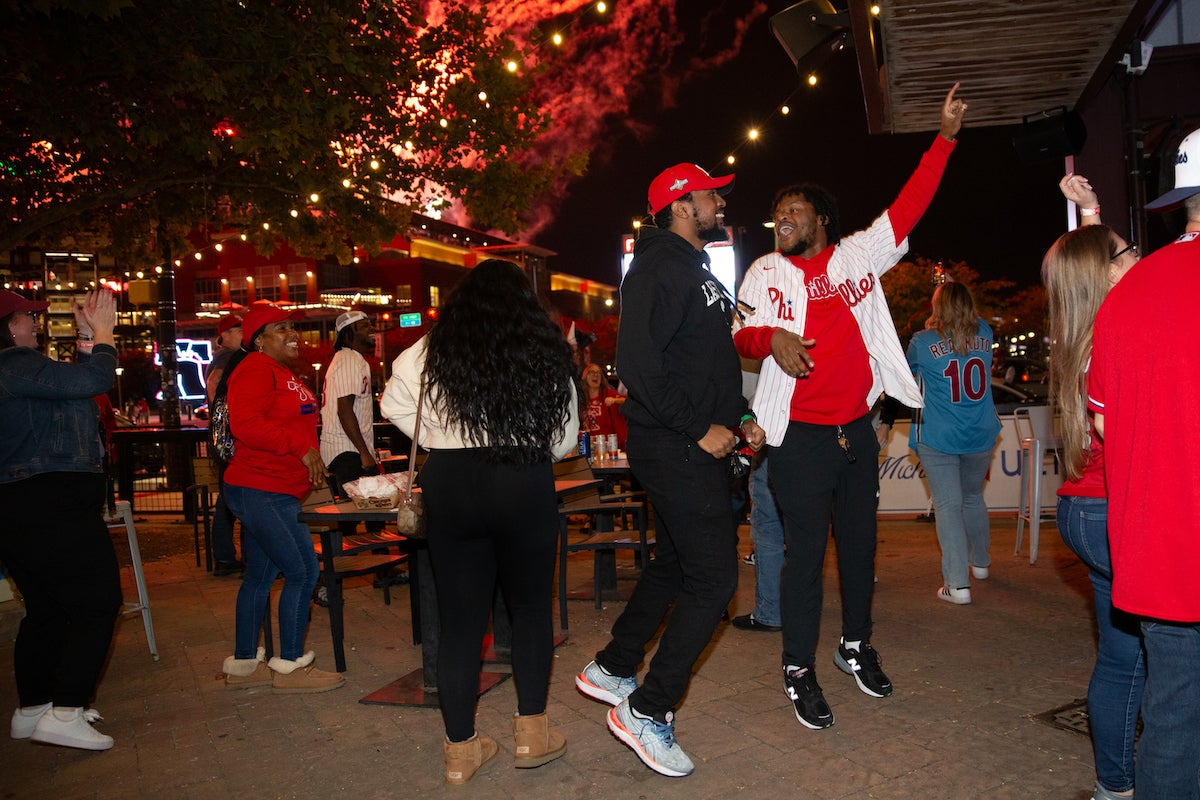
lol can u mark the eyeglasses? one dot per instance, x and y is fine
(1129, 248)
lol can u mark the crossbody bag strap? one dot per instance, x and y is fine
(412, 452)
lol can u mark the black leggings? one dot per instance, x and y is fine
(490, 522)
(54, 543)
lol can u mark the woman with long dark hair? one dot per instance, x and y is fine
(275, 464)
(499, 405)
(955, 433)
(1078, 271)
(53, 540)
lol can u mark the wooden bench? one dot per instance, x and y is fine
(602, 540)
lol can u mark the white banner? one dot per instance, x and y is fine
(904, 490)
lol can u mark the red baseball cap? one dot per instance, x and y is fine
(674, 183)
(264, 313)
(12, 303)
(228, 321)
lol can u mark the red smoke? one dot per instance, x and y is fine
(606, 62)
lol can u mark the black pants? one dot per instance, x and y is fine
(55, 545)
(489, 522)
(347, 467)
(694, 570)
(816, 484)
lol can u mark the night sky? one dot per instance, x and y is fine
(991, 211)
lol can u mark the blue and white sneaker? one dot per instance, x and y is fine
(652, 741)
(600, 684)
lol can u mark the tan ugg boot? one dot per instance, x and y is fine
(536, 743)
(463, 759)
(242, 673)
(301, 677)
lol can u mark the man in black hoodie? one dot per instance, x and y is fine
(675, 355)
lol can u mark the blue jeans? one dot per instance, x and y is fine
(222, 530)
(1168, 763)
(956, 483)
(273, 541)
(1115, 692)
(766, 530)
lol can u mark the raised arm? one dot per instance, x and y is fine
(1079, 191)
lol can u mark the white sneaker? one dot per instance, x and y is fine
(25, 719)
(979, 573)
(957, 596)
(71, 727)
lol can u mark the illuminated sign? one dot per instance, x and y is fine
(194, 356)
(410, 320)
(721, 255)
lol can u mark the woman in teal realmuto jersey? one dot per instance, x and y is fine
(955, 433)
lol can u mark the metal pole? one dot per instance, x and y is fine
(166, 335)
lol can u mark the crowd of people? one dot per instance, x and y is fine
(813, 319)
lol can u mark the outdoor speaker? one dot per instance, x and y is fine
(1056, 134)
(805, 26)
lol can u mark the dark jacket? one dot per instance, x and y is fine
(48, 419)
(674, 347)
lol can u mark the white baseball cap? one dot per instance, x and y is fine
(348, 319)
(1187, 175)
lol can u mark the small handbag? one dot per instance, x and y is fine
(410, 512)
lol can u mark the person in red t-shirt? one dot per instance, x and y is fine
(1078, 270)
(603, 413)
(1140, 388)
(275, 463)
(822, 291)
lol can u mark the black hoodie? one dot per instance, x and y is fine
(674, 348)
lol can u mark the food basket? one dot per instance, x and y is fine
(377, 492)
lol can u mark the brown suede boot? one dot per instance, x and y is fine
(301, 677)
(463, 759)
(536, 743)
(243, 673)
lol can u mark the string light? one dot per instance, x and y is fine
(601, 7)
(875, 9)
(785, 110)
(729, 159)
(556, 38)
(753, 134)
(812, 79)
(314, 198)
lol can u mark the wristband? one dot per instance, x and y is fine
(85, 337)
(745, 417)
(1089, 212)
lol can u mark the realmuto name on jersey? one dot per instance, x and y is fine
(851, 291)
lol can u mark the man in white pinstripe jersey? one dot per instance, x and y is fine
(348, 413)
(822, 326)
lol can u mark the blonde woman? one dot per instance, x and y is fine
(1078, 271)
(955, 433)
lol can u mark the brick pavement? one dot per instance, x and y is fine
(968, 682)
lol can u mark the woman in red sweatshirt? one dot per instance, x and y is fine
(275, 463)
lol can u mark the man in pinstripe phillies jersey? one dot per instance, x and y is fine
(824, 331)
(348, 412)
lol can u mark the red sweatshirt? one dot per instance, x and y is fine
(273, 418)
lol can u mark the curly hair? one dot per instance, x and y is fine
(954, 316)
(499, 367)
(824, 206)
(1075, 271)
